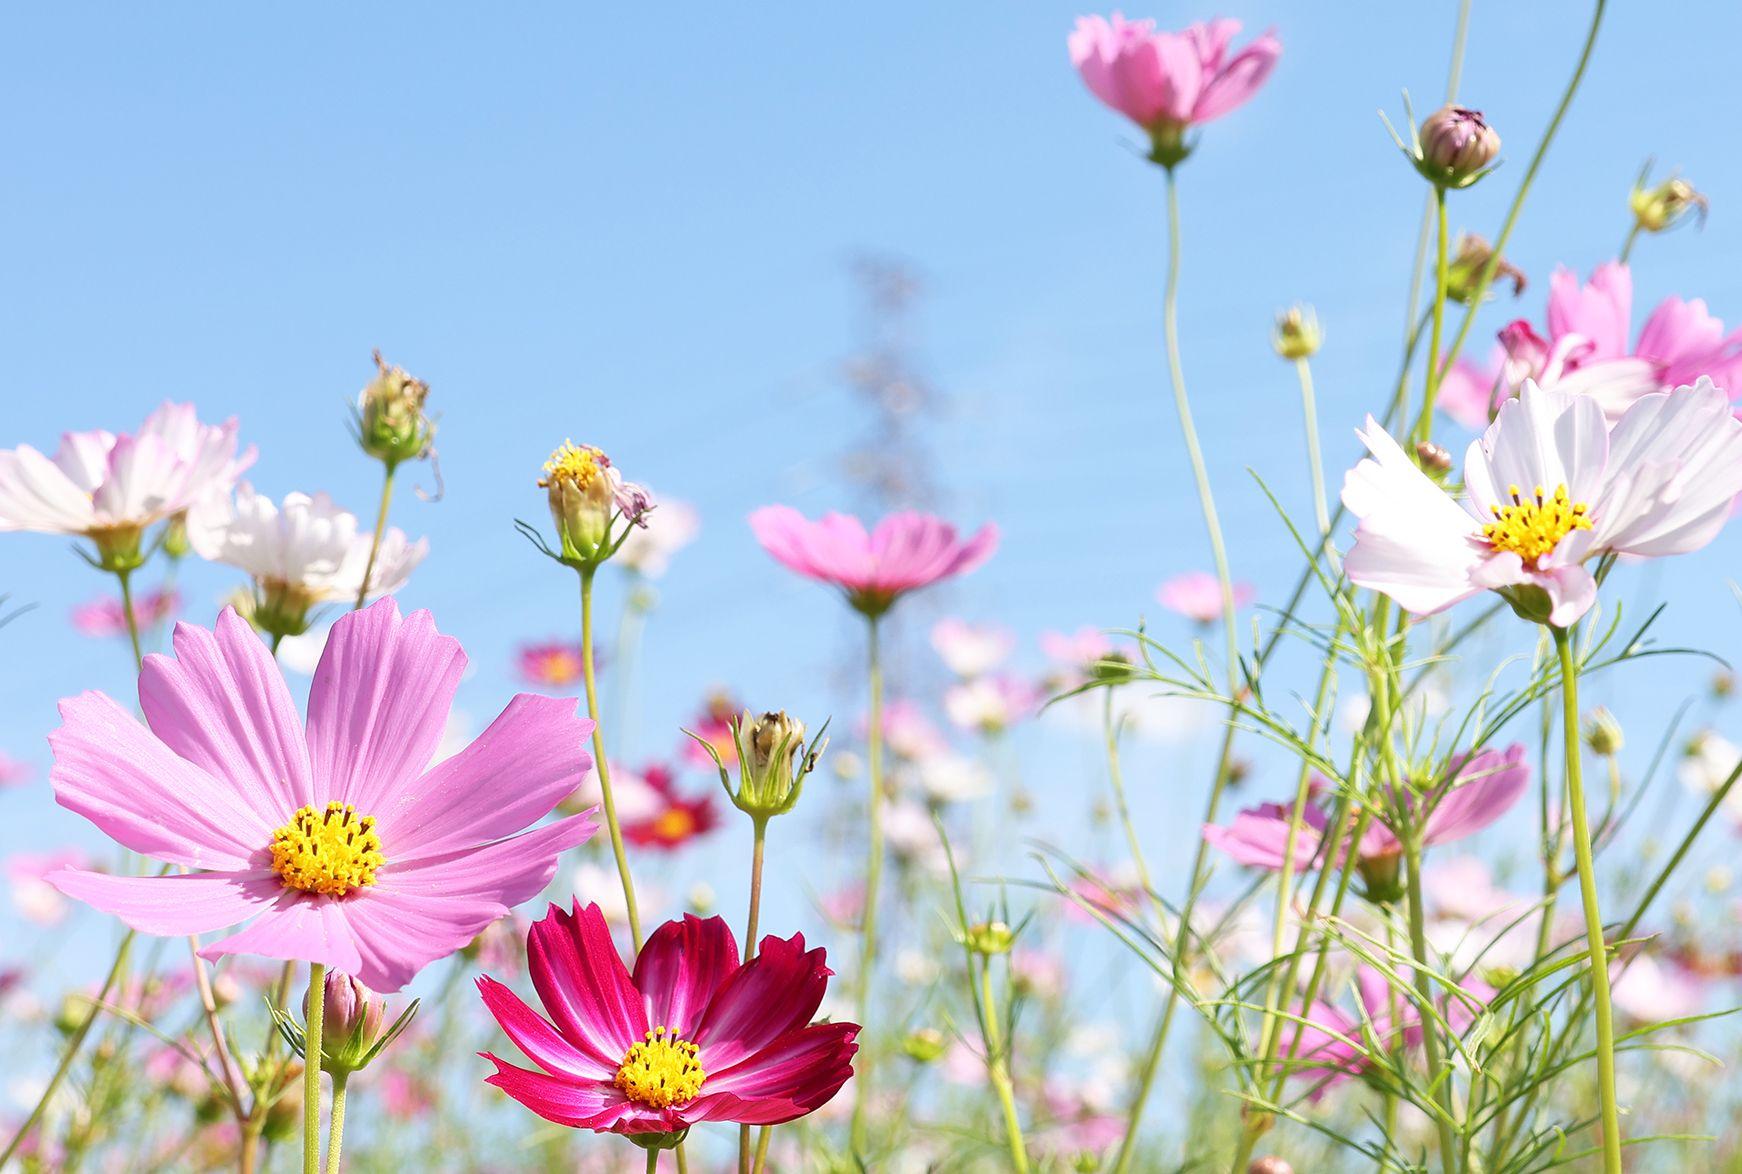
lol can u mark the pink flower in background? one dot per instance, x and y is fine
(1197, 595)
(339, 840)
(690, 1036)
(1649, 991)
(99, 482)
(666, 528)
(905, 552)
(14, 772)
(554, 664)
(990, 705)
(674, 819)
(1599, 311)
(35, 899)
(969, 650)
(908, 731)
(1548, 487)
(106, 617)
(1169, 80)
(714, 726)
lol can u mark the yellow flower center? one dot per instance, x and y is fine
(674, 823)
(575, 464)
(1532, 526)
(661, 1070)
(328, 852)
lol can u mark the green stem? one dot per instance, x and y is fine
(380, 529)
(1116, 777)
(873, 881)
(126, 578)
(762, 1139)
(759, 837)
(1597, 948)
(336, 1130)
(1627, 245)
(311, 1070)
(1442, 274)
(1438, 1074)
(1315, 460)
(998, 1066)
(652, 1161)
(599, 761)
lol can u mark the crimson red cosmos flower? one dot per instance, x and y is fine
(674, 820)
(691, 1036)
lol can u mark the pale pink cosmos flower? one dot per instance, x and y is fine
(1547, 487)
(905, 552)
(107, 617)
(1169, 80)
(1332, 1045)
(908, 731)
(970, 650)
(98, 482)
(1197, 595)
(36, 900)
(991, 705)
(338, 840)
(14, 772)
(1649, 991)
(667, 526)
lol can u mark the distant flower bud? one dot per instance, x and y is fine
(390, 419)
(175, 542)
(1603, 733)
(1723, 684)
(1434, 460)
(587, 495)
(1666, 204)
(773, 761)
(925, 1045)
(990, 938)
(74, 1012)
(1457, 145)
(1464, 273)
(1269, 1165)
(1297, 334)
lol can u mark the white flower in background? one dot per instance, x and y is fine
(1707, 764)
(990, 705)
(301, 553)
(952, 778)
(110, 488)
(1548, 487)
(970, 650)
(916, 968)
(665, 530)
(912, 837)
(597, 884)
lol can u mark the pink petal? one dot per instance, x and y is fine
(1239, 79)
(398, 934)
(774, 993)
(583, 984)
(299, 928)
(503, 874)
(1484, 788)
(173, 906)
(533, 1034)
(681, 967)
(792, 1076)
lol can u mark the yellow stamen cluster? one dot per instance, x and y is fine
(576, 464)
(674, 823)
(1531, 526)
(328, 852)
(661, 1071)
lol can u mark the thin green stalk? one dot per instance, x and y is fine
(126, 578)
(762, 1148)
(1454, 76)
(311, 1070)
(998, 1064)
(380, 529)
(1116, 776)
(1597, 948)
(600, 764)
(1627, 245)
(759, 839)
(652, 1161)
(873, 881)
(1438, 1074)
(1442, 275)
(1315, 458)
(336, 1129)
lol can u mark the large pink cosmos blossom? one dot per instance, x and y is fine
(905, 552)
(690, 1036)
(340, 840)
(1164, 81)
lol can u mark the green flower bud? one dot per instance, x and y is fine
(391, 424)
(773, 761)
(1464, 271)
(1603, 733)
(924, 1045)
(1664, 205)
(990, 938)
(352, 1025)
(1297, 334)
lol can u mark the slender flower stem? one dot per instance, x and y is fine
(998, 1064)
(1439, 1076)
(311, 1070)
(1116, 777)
(652, 1161)
(1442, 274)
(336, 1129)
(126, 578)
(1627, 245)
(1596, 946)
(1315, 459)
(759, 838)
(873, 881)
(599, 761)
(762, 1148)
(380, 529)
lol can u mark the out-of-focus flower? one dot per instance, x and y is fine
(1117, 893)
(1197, 595)
(1547, 488)
(951, 778)
(392, 425)
(1297, 334)
(553, 664)
(925, 1045)
(1603, 733)
(301, 553)
(1664, 205)
(1464, 272)
(1648, 991)
(668, 527)
(587, 497)
(33, 896)
(690, 1036)
(991, 705)
(1455, 147)
(334, 839)
(908, 732)
(109, 488)
(13, 772)
(1707, 764)
(970, 650)
(905, 552)
(107, 617)
(1479, 789)
(1169, 82)
(712, 726)
(677, 820)
(602, 889)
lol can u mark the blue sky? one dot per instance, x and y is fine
(577, 223)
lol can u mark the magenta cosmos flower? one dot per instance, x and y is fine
(906, 551)
(1166, 82)
(341, 841)
(690, 1036)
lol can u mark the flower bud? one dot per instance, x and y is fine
(1664, 205)
(773, 761)
(390, 420)
(352, 1019)
(175, 542)
(1723, 684)
(1464, 272)
(1269, 1165)
(581, 485)
(1603, 733)
(1456, 145)
(990, 938)
(1434, 460)
(1297, 334)
(924, 1045)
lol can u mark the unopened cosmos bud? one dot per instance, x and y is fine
(1457, 145)
(1297, 334)
(391, 423)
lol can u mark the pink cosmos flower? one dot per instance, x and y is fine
(908, 732)
(340, 840)
(905, 551)
(969, 650)
(990, 705)
(14, 773)
(34, 898)
(1332, 1045)
(714, 725)
(106, 617)
(690, 1036)
(98, 482)
(1197, 595)
(1169, 80)
(554, 664)
(1548, 487)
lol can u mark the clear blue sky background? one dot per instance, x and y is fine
(630, 230)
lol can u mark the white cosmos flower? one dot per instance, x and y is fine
(100, 483)
(969, 650)
(666, 529)
(1547, 487)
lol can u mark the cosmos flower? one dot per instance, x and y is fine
(675, 819)
(669, 525)
(991, 705)
(34, 898)
(873, 569)
(339, 841)
(1547, 488)
(971, 650)
(1165, 82)
(554, 664)
(690, 1036)
(13, 772)
(712, 725)
(1197, 595)
(107, 617)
